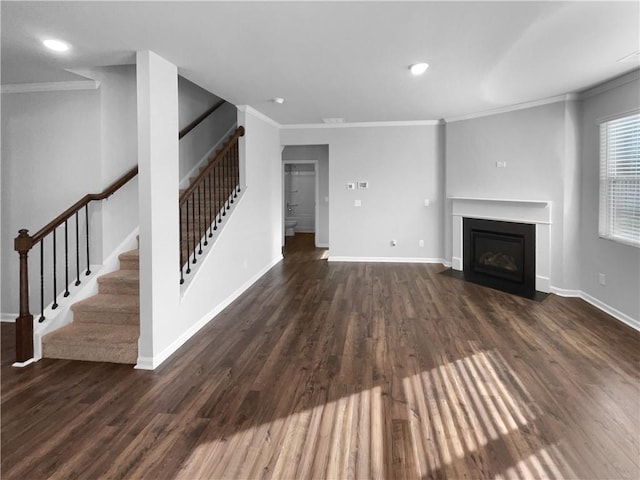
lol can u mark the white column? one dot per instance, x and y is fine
(157, 89)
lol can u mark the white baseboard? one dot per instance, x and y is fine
(600, 305)
(543, 284)
(322, 245)
(8, 317)
(146, 363)
(562, 292)
(615, 313)
(456, 263)
(23, 364)
(386, 259)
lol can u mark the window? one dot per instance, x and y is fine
(620, 179)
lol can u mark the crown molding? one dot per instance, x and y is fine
(611, 84)
(258, 114)
(512, 108)
(408, 123)
(50, 86)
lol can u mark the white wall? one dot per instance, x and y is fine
(403, 165)
(157, 100)
(119, 153)
(249, 242)
(320, 153)
(192, 102)
(51, 157)
(620, 263)
(539, 147)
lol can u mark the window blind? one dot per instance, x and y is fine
(620, 179)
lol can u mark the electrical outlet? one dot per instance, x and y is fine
(602, 279)
(501, 164)
(393, 243)
(421, 243)
(426, 202)
(351, 186)
(357, 203)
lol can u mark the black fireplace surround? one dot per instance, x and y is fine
(500, 255)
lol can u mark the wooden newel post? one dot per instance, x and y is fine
(24, 323)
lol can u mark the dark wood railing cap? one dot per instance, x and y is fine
(200, 119)
(59, 220)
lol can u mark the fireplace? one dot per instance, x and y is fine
(500, 255)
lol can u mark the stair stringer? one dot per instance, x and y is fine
(63, 316)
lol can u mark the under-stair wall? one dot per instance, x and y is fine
(246, 246)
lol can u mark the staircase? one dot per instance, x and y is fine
(106, 326)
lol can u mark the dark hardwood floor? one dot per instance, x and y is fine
(345, 370)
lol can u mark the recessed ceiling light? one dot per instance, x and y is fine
(419, 68)
(56, 45)
(278, 100)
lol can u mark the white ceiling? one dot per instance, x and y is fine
(339, 59)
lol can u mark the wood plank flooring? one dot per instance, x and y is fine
(345, 370)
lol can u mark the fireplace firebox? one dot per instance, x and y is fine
(500, 255)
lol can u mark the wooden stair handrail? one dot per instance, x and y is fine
(107, 192)
(200, 119)
(239, 132)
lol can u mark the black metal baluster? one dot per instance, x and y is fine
(181, 244)
(215, 197)
(229, 185)
(187, 236)
(236, 170)
(55, 276)
(219, 192)
(207, 201)
(225, 195)
(211, 217)
(41, 319)
(237, 148)
(193, 219)
(86, 218)
(66, 261)
(78, 282)
(199, 219)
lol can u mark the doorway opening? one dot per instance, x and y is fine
(300, 197)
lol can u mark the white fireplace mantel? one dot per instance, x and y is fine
(536, 212)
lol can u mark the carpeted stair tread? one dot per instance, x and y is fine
(130, 260)
(108, 302)
(95, 342)
(123, 282)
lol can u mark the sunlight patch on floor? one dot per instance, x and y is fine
(462, 406)
(462, 411)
